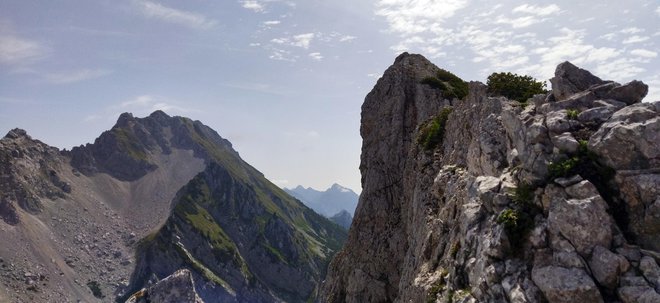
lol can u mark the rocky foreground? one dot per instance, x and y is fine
(552, 200)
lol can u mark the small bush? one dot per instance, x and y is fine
(433, 133)
(564, 168)
(95, 287)
(451, 85)
(572, 114)
(523, 194)
(517, 223)
(515, 87)
(509, 218)
(434, 82)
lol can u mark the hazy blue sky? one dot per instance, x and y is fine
(284, 80)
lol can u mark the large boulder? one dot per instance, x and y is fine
(630, 93)
(560, 285)
(583, 221)
(570, 79)
(630, 139)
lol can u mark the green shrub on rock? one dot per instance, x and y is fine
(451, 85)
(514, 86)
(432, 133)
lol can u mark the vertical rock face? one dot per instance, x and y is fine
(518, 203)
(368, 269)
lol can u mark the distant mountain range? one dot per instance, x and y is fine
(329, 202)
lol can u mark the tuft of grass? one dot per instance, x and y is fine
(572, 114)
(454, 249)
(432, 134)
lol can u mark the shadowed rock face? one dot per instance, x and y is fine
(554, 201)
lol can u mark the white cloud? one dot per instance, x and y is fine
(172, 15)
(631, 30)
(644, 53)
(272, 22)
(253, 5)
(657, 11)
(411, 17)
(316, 56)
(303, 40)
(347, 38)
(537, 10)
(75, 76)
(281, 55)
(139, 101)
(16, 50)
(519, 22)
(146, 104)
(635, 39)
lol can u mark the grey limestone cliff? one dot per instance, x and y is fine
(553, 200)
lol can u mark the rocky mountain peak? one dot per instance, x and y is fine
(160, 115)
(17, 133)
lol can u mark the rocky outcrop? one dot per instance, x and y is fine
(176, 288)
(27, 174)
(554, 201)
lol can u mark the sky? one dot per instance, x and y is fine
(284, 80)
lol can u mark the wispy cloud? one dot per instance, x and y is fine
(75, 76)
(537, 10)
(167, 14)
(410, 17)
(644, 53)
(316, 56)
(253, 5)
(15, 50)
(149, 103)
(272, 22)
(635, 39)
(261, 6)
(302, 40)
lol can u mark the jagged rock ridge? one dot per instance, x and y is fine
(555, 200)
